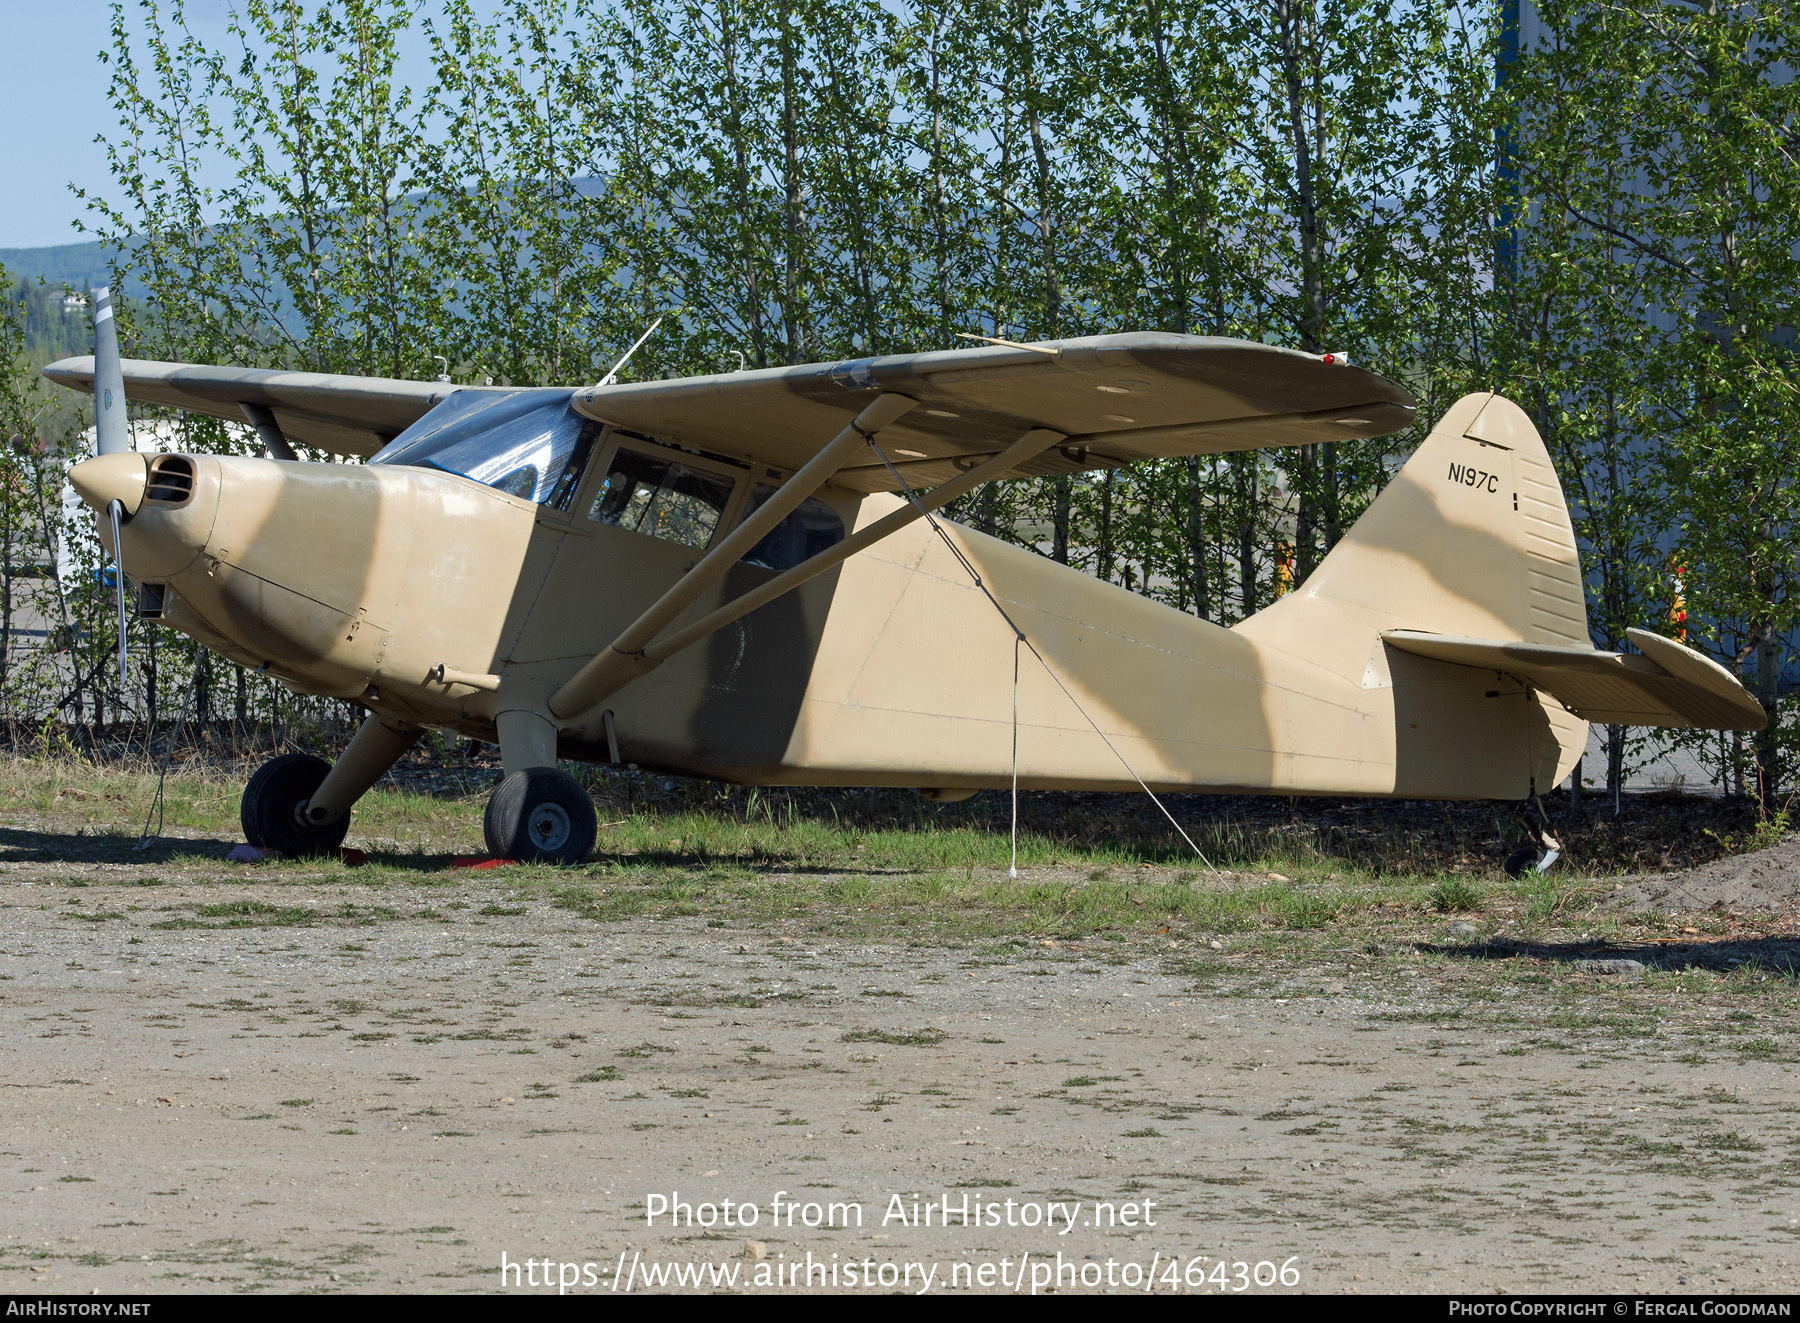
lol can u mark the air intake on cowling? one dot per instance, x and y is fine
(171, 480)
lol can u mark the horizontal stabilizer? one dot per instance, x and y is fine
(1668, 685)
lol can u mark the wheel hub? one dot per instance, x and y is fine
(549, 826)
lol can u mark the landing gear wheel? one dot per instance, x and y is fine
(540, 816)
(271, 805)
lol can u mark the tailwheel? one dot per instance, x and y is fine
(272, 802)
(540, 816)
(1543, 849)
(1520, 861)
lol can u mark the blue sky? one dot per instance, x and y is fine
(53, 98)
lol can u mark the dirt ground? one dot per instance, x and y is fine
(1764, 880)
(229, 1085)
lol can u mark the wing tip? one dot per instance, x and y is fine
(77, 372)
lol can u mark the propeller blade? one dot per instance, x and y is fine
(110, 431)
(117, 511)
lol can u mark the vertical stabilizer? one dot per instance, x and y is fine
(1471, 538)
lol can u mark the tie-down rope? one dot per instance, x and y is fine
(156, 803)
(1019, 638)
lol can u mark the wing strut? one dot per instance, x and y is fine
(624, 659)
(262, 418)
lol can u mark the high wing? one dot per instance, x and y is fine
(339, 414)
(1669, 685)
(1115, 398)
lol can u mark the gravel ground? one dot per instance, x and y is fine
(389, 1090)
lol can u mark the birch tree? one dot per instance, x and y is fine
(1665, 133)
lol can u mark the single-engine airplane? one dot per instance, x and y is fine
(738, 577)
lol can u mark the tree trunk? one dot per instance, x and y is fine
(1247, 491)
(1061, 490)
(240, 709)
(1103, 565)
(1768, 689)
(6, 594)
(1615, 761)
(150, 694)
(1196, 537)
(940, 282)
(202, 691)
(793, 254)
(1046, 206)
(1293, 35)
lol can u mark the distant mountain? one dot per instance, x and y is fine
(76, 265)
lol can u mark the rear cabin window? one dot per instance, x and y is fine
(662, 497)
(811, 528)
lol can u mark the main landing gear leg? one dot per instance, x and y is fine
(1544, 849)
(301, 805)
(537, 814)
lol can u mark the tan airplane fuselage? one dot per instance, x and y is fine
(436, 601)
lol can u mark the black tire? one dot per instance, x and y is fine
(540, 816)
(1519, 862)
(279, 787)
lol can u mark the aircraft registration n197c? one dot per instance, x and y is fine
(733, 577)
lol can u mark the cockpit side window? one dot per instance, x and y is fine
(527, 443)
(661, 496)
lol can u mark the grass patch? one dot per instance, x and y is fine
(927, 1037)
(862, 863)
(644, 1049)
(968, 903)
(1455, 895)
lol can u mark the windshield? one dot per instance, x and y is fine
(522, 442)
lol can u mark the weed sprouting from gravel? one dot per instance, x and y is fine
(927, 1037)
(1454, 895)
(644, 1049)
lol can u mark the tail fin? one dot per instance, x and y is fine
(1471, 537)
(1459, 593)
